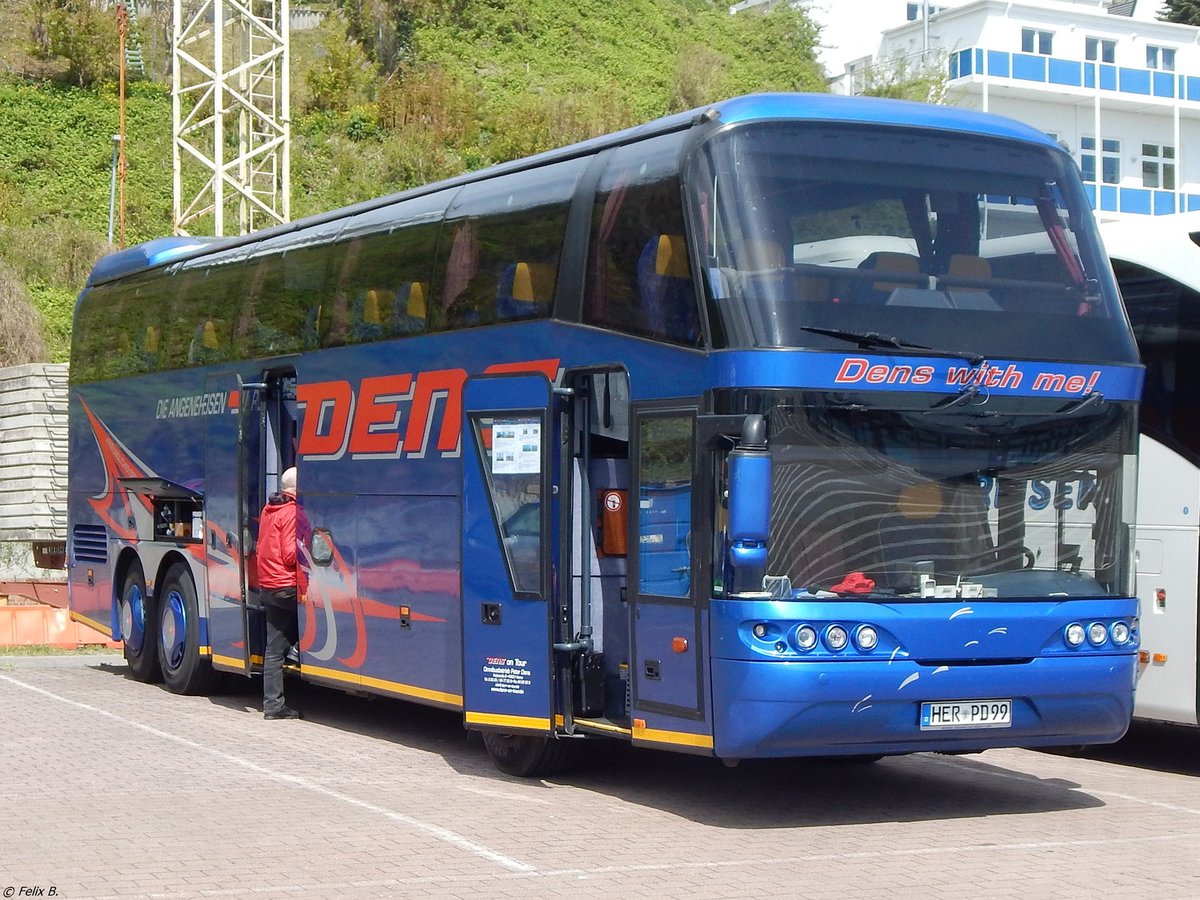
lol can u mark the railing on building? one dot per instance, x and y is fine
(1105, 79)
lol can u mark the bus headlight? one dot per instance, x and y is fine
(1120, 633)
(1074, 634)
(1097, 633)
(806, 637)
(836, 638)
(866, 638)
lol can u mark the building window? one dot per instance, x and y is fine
(914, 11)
(1160, 58)
(1100, 50)
(1158, 166)
(1035, 41)
(1110, 160)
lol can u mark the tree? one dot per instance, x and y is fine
(902, 79)
(342, 77)
(80, 32)
(20, 325)
(1183, 12)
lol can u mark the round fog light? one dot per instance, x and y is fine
(836, 637)
(1120, 633)
(760, 631)
(806, 637)
(866, 638)
(1097, 633)
(1074, 634)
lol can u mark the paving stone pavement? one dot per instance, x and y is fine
(115, 789)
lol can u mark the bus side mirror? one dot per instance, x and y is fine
(322, 548)
(749, 506)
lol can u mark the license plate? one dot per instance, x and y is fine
(945, 714)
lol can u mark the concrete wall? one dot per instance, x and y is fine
(33, 452)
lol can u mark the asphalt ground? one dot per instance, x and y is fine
(115, 789)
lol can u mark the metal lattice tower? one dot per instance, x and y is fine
(230, 115)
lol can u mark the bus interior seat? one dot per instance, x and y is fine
(408, 314)
(664, 279)
(755, 254)
(312, 326)
(918, 297)
(205, 345)
(879, 289)
(766, 269)
(966, 265)
(368, 323)
(811, 288)
(524, 290)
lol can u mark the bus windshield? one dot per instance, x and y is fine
(887, 503)
(818, 234)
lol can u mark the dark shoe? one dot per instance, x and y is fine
(286, 713)
(293, 656)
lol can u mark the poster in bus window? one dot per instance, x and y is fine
(517, 447)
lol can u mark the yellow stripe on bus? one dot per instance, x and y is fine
(92, 623)
(678, 738)
(527, 722)
(598, 726)
(391, 687)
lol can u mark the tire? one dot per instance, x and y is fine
(135, 613)
(184, 670)
(525, 755)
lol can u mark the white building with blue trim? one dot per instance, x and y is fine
(1116, 86)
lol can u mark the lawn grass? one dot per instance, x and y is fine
(47, 650)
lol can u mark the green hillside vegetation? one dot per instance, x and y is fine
(387, 94)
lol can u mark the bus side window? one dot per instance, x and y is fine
(664, 505)
(382, 278)
(639, 278)
(500, 251)
(1165, 315)
(665, 289)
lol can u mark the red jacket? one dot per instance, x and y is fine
(277, 543)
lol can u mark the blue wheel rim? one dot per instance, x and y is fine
(174, 630)
(133, 620)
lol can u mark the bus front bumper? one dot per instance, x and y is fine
(784, 708)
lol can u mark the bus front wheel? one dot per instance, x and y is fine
(135, 612)
(184, 670)
(526, 755)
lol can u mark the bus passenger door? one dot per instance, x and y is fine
(511, 455)
(223, 525)
(247, 452)
(667, 652)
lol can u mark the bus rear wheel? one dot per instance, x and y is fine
(135, 613)
(184, 670)
(526, 755)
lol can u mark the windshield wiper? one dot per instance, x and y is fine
(867, 340)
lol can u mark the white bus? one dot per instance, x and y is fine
(1157, 264)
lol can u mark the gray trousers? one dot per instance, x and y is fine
(279, 608)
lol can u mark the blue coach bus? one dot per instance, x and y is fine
(796, 425)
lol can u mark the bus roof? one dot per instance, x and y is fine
(752, 107)
(1167, 244)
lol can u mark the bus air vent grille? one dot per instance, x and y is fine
(90, 543)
